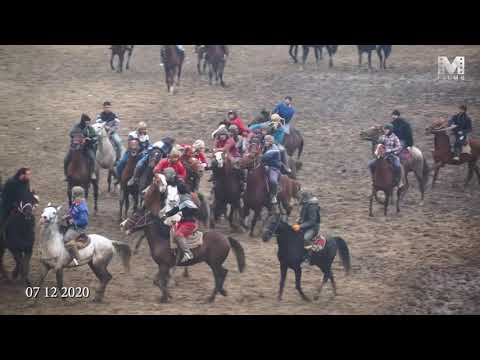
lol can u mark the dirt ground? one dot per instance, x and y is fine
(421, 261)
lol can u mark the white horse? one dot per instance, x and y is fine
(106, 156)
(98, 254)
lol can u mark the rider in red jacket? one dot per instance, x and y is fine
(234, 119)
(174, 162)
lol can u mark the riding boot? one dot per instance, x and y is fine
(73, 251)
(187, 253)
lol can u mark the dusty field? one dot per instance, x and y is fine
(422, 261)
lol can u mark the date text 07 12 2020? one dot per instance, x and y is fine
(54, 292)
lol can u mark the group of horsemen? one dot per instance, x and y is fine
(232, 138)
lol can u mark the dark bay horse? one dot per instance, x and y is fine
(120, 50)
(173, 66)
(417, 163)
(294, 142)
(227, 190)
(256, 195)
(383, 52)
(318, 49)
(129, 190)
(78, 173)
(383, 180)
(18, 236)
(216, 59)
(291, 254)
(214, 251)
(442, 154)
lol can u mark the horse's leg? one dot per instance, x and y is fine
(298, 283)
(129, 57)
(330, 55)
(470, 173)
(210, 73)
(222, 68)
(100, 270)
(435, 174)
(161, 280)
(304, 54)
(477, 171)
(127, 202)
(369, 60)
(139, 242)
(111, 61)
(334, 286)
(2, 254)
(26, 268)
(371, 202)
(179, 74)
(109, 180)
(120, 58)
(95, 194)
(120, 201)
(316, 57)
(185, 272)
(17, 256)
(359, 58)
(421, 185)
(387, 198)
(59, 277)
(319, 290)
(43, 274)
(283, 276)
(380, 57)
(256, 216)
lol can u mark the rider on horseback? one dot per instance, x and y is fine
(77, 219)
(111, 124)
(271, 158)
(234, 119)
(141, 135)
(309, 221)
(392, 149)
(90, 135)
(402, 129)
(165, 146)
(199, 152)
(173, 161)
(188, 223)
(461, 126)
(286, 111)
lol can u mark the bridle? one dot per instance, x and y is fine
(139, 223)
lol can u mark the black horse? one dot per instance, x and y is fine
(18, 236)
(318, 49)
(291, 254)
(383, 52)
(120, 51)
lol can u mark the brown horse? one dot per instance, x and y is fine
(216, 58)
(78, 172)
(256, 194)
(173, 63)
(294, 142)
(129, 190)
(383, 180)
(416, 163)
(120, 50)
(442, 154)
(214, 251)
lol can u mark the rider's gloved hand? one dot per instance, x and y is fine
(296, 227)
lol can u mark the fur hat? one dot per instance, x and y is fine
(78, 192)
(276, 118)
(198, 144)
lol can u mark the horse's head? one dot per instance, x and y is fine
(78, 141)
(219, 159)
(273, 226)
(155, 156)
(160, 181)
(137, 221)
(437, 125)
(49, 215)
(100, 130)
(372, 134)
(134, 147)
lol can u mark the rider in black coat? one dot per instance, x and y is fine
(15, 188)
(402, 129)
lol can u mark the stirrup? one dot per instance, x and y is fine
(187, 256)
(75, 262)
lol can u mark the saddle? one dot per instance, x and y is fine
(193, 241)
(82, 241)
(318, 243)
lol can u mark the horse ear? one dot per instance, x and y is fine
(58, 208)
(49, 204)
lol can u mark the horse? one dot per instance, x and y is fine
(291, 253)
(216, 59)
(106, 156)
(386, 49)
(256, 195)
(318, 49)
(214, 249)
(227, 190)
(18, 236)
(294, 142)
(417, 163)
(129, 190)
(97, 254)
(78, 172)
(173, 63)
(383, 181)
(293, 52)
(120, 51)
(443, 156)
(201, 52)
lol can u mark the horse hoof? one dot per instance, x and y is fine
(97, 300)
(305, 298)
(316, 297)
(210, 299)
(164, 300)
(223, 292)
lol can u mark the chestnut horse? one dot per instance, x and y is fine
(214, 249)
(256, 195)
(443, 156)
(173, 66)
(383, 180)
(78, 173)
(129, 190)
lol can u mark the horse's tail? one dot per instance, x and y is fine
(344, 253)
(125, 253)
(204, 209)
(239, 253)
(426, 172)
